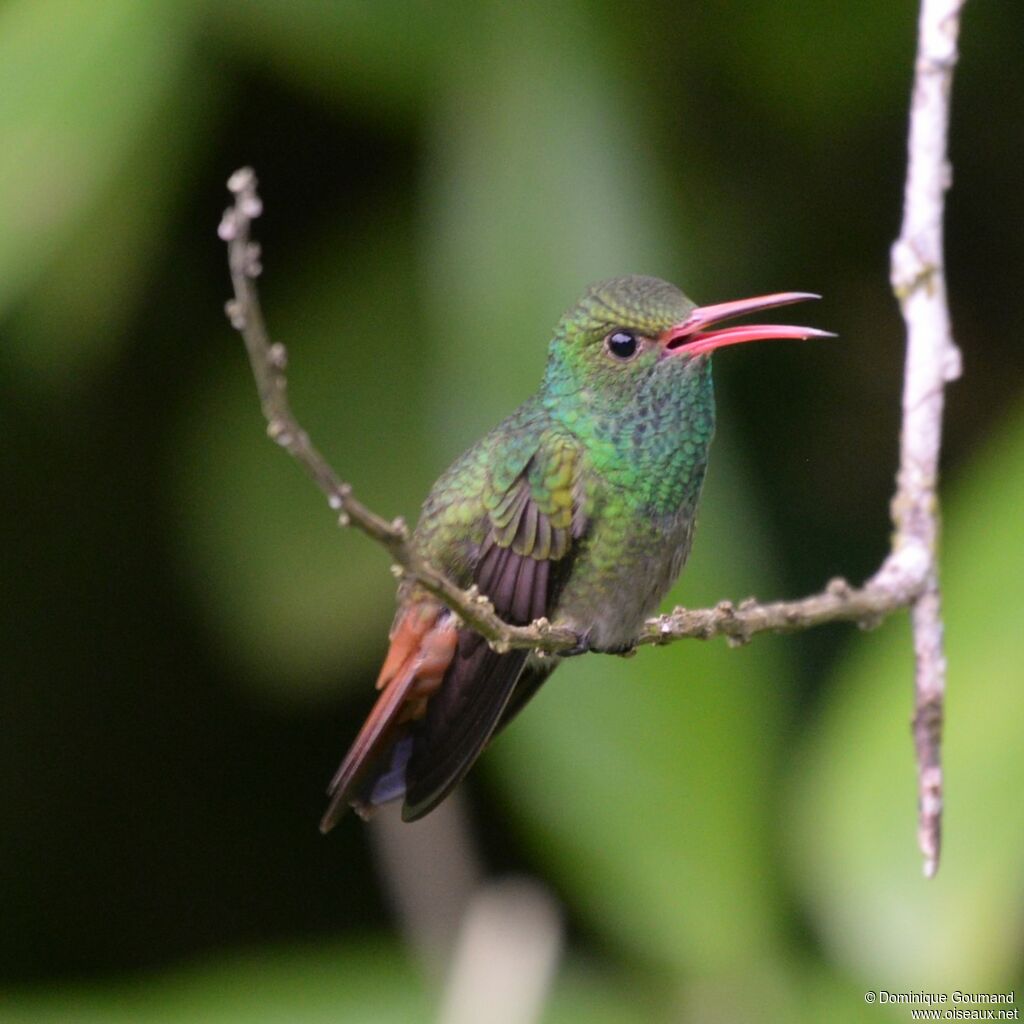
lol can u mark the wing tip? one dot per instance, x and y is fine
(336, 810)
(414, 811)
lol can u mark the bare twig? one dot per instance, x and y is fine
(908, 576)
(269, 362)
(900, 581)
(933, 360)
(838, 602)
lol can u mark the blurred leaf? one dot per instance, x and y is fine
(853, 845)
(784, 987)
(76, 313)
(79, 83)
(537, 185)
(384, 54)
(291, 595)
(818, 64)
(361, 984)
(584, 995)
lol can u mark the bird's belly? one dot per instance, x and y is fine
(620, 580)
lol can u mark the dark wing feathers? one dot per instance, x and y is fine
(522, 561)
(529, 682)
(460, 719)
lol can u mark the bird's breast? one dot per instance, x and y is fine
(626, 565)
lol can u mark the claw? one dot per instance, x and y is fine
(582, 647)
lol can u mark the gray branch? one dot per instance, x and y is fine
(895, 587)
(933, 360)
(907, 578)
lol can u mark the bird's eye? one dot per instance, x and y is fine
(622, 344)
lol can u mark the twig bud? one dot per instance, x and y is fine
(235, 314)
(242, 180)
(227, 229)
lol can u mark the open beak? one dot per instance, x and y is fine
(690, 338)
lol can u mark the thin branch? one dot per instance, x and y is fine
(933, 360)
(886, 592)
(838, 602)
(907, 578)
(269, 362)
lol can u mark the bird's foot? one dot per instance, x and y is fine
(626, 650)
(584, 646)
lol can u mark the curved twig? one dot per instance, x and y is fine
(907, 578)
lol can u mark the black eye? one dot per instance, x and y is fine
(623, 344)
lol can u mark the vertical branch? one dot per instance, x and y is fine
(933, 360)
(909, 575)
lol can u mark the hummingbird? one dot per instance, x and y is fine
(579, 507)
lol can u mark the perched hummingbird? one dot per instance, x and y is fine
(579, 507)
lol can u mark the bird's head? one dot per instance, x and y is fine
(629, 334)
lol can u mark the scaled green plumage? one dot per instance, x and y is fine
(578, 507)
(619, 446)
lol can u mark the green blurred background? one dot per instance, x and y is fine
(189, 643)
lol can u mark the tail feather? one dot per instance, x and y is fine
(423, 642)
